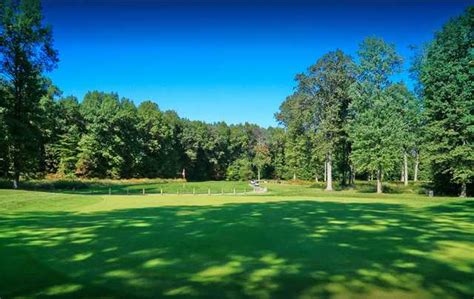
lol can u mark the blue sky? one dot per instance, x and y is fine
(230, 61)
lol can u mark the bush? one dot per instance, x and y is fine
(240, 170)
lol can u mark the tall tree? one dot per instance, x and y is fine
(276, 141)
(26, 52)
(72, 127)
(409, 109)
(108, 146)
(448, 91)
(262, 158)
(4, 159)
(295, 114)
(326, 85)
(376, 128)
(50, 128)
(3, 147)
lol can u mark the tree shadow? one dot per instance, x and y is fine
(299, 249)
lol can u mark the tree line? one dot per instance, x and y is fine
(346, 119)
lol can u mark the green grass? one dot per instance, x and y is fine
(122, 187)
(293, 242)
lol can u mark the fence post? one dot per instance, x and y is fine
(110, 191)
(194, 191)
(234, 191)
(161, 191)
(222, 191)
(143, 190)
(208, 191)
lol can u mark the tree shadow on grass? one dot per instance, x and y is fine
(270, 250)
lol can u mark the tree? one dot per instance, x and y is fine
(26, 52)
(240, 169)
(276, 145)
(50, 129)
(262, 158)
(378, 61)
(447, 87)
(326, 84)
(108, 148)
(409, 109)
(220, 155)
(72, 127)
(193, 138)
(295, 113)
(152, 130)
(4, 159)
(3, 146)
(376, 128)
(419, 119)
(316, 114)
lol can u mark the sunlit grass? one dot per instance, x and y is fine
(292, 242)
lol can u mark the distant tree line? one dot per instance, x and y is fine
(346, 119)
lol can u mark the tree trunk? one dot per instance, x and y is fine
(316, 178)
(463, 190)
(325, 170)
(353, 174)
(16, 179)
(258, 174)
(417, 164)
(405, 169)
(16, 168)
(329, 173)
(379, 181)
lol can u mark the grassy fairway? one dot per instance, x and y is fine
(307, 245)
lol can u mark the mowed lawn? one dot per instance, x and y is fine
(285, 244)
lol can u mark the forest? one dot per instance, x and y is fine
(347, 119)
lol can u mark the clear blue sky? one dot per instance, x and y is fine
(221, 60)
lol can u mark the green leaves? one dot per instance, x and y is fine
(26, 53)
(378, 61)
(377, 133)
(384, 119)
(316, 113)
(447, 86)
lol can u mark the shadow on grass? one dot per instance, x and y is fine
(270, 250)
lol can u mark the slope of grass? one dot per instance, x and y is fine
(312, 244)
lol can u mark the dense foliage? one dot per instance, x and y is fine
(345, 119)
(447, 77)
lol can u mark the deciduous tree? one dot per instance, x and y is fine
(447, 79)
(26, 53)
